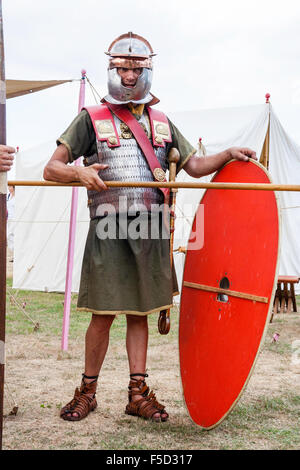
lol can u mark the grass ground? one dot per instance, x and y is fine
(40, 379)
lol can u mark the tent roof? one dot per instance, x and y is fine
(23, 87)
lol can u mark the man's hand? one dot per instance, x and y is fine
(242, 153)
(6, 157)
(57, 169)
(89, 177)
(201, 166)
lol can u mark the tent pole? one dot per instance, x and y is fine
(3, 190)
(264, 157)
(72, 233)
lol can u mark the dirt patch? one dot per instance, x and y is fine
(40, 379)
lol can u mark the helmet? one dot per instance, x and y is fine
(129, 51)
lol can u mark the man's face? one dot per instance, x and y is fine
(129, 76)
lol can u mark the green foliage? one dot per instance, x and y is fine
(46, 310)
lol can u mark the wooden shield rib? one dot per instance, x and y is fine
(227, 293)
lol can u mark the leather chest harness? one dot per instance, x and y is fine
(123, 143)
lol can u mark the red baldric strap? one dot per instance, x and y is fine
(125, 115)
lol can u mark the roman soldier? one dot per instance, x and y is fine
(126, 269)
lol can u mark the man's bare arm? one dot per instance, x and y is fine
(201, 166)
(57, 169)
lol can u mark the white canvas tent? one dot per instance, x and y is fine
(248, 127)
(42, 214)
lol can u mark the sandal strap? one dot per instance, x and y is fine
(82, 405)
(95, 377)
(83, 402)
(138, 375)
(140, 386)
(147, 406)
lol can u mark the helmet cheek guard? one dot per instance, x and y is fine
(118, 93)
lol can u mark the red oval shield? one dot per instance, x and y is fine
(227, 292)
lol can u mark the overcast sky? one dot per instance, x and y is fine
(209, 54)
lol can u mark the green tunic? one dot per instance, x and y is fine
(123, 275)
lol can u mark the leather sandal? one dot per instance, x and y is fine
(83, 402)
(147, 406)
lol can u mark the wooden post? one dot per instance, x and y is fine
(3, 189)
(265, 153)
(174, 158)
(164, 323)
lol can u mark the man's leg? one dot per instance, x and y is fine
(136, 345)
(96, 344)
(137, 342)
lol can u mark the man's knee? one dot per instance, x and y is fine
(102, 322)
(138, 319)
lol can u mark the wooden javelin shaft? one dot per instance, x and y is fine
(176, 184)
